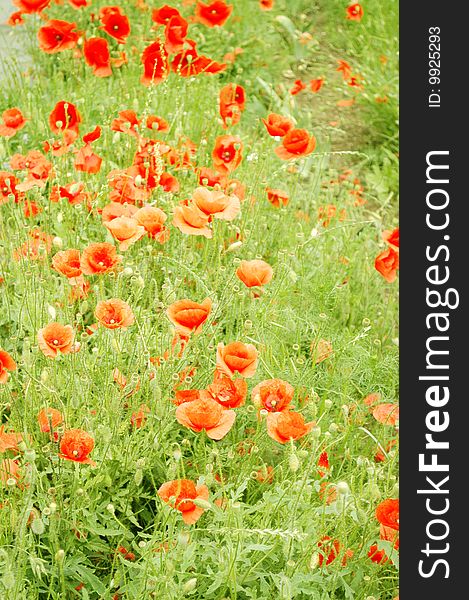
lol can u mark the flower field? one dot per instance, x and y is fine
(199, 252)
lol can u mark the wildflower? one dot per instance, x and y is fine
(227, 392)
(76, 445)
(9, 469)
(64, 117)
(155, 64)
(216, 204)
(354, 12)
(273, 395)
(392, 238)
(189, 219)
(57, 36)
(49, 419)
(67, 263)
(13, 121)
(237, 357)
(387, 264)
(298, 87)
(180, 495)
(206, 414)
(7, 364)
(125, 230)
(330, 550)
(175, 34)
(28, 7)
(138, 418)
(254, 273)
(55, 338)
(387, 413)
(114, 314)
(152, 219)
(296, 143)
(316, 84)
(114, 23)
(162, 16)
(232, 103)
(214, 14)
(97, 56)
(277, 125)
(157, 124)
(227, 153)
(377, 556)
(9, 441)
(277, 197)
(98, 259)
(287, 425)
(188, 316)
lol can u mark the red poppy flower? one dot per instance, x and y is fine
(316, 84)
(254, 273)
(49, 419)
(13, 121)
(227, 392)
(114, 314)
(273, 395)
(153, 219)
(15, 19)
(345, 69)
(127, 122)
(237, 358)
(232, 103)
(97, 56)
(277, 197)
(55, 339)
(155, 64)
(64, 117)
(354, 12)
(287, 425)
(213, 14)
(9, 440)
(114, 23)
(266, 4)
(227, 153)
(175, 34)
(75, 445)
(392, 238)
(387, 513)
(296, 143)
(87, 161)
(377, 556)
(180, 494)
(6, 364)
(387, 413)
(157, 124)
(31, 6)
(330, 550)
(277, 125)
(298, 86)
(188, 316)
(98, 259)
(323, 464)
(162, 16)
(206, 414)
(387, 264)
(57, 36)
(67, 263)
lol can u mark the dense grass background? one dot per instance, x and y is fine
(264, 543)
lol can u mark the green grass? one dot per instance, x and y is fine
(264, 543)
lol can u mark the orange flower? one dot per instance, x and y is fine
(55, 338)
(157, 124)
(57, 36)
(207, 414)
(13, 121)
(138, 418)
(316, 84)
(277, 197)
(6, 364)
(175, 34)
(296, 143)
(75, 445)
(387, 413)
(278, 126)
(155, 63)
(298, 87)
(87, 161)
(191, 220)
(215, 203)
(273, 395)
(387, 513)
(225, 391)
(354, 12)
(9, 469)
(214, 14)
(227, 153)
(97, 56)
(115, 23)
(387, 264)
(49, 419)
(126, 231)
(266, 4)
(188, 316)
(330, 550)
(232, 104)
(114, 314)
(237, 358)
(99, 258)
(67, 263)
(116, 209)
(64, 117)
(127, 122)
(254, 273)
(152, 219)
(287, 425)
(392, 238)
(180, 494)
(9, 441)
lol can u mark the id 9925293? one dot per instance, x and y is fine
(434, 69)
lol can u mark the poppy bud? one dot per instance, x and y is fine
(30, 455)
(342, 488)
(60, 555)
(293, 462)
(138, 477)
(201, 503)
